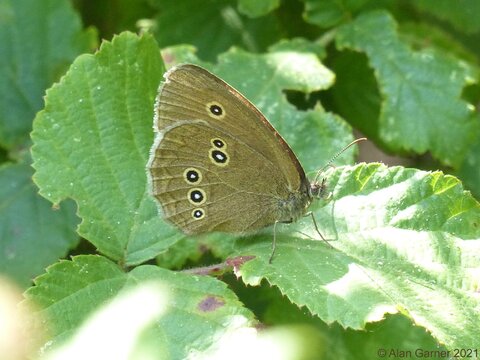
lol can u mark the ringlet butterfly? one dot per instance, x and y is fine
(217, 164)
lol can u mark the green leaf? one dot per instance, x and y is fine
(33, 235)
(254, 8)
(91, 143)
(422, 110)
(212, 26)
(111, 18)
(200, 310)
(469, 172)
(361, 108)
(423, 36)
(394, 332)
(38, 40)
(463, 14)
(403, 240)
(299, 45)
(328, 13)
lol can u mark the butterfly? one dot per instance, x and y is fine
(217, 164)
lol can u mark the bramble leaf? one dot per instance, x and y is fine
(213, 26)
(91, 144)
(403, 240)
(253, 8)
(33, 234)
(462, 14)
(34, 53)
(421, 110)
(199, 310)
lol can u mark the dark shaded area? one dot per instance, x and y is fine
(210, 303)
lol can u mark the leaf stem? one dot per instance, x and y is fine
(218, 269)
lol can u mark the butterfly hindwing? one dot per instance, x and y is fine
(199, 174)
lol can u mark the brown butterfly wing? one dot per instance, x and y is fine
(225, 193)
(217, 164)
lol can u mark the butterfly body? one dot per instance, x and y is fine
(217, 164)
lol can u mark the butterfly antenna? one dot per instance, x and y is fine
(329, 163)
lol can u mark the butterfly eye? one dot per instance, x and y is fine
(192, 176)
(215, 110)
(218, 143)
(218, 157)
(196, 196)
(198, 214)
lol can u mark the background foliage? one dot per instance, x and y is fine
(113, 280)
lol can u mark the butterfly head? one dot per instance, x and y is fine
(318, 190)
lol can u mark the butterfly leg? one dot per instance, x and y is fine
(316, 227)
(274, 242)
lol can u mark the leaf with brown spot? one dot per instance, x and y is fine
(210, 303)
